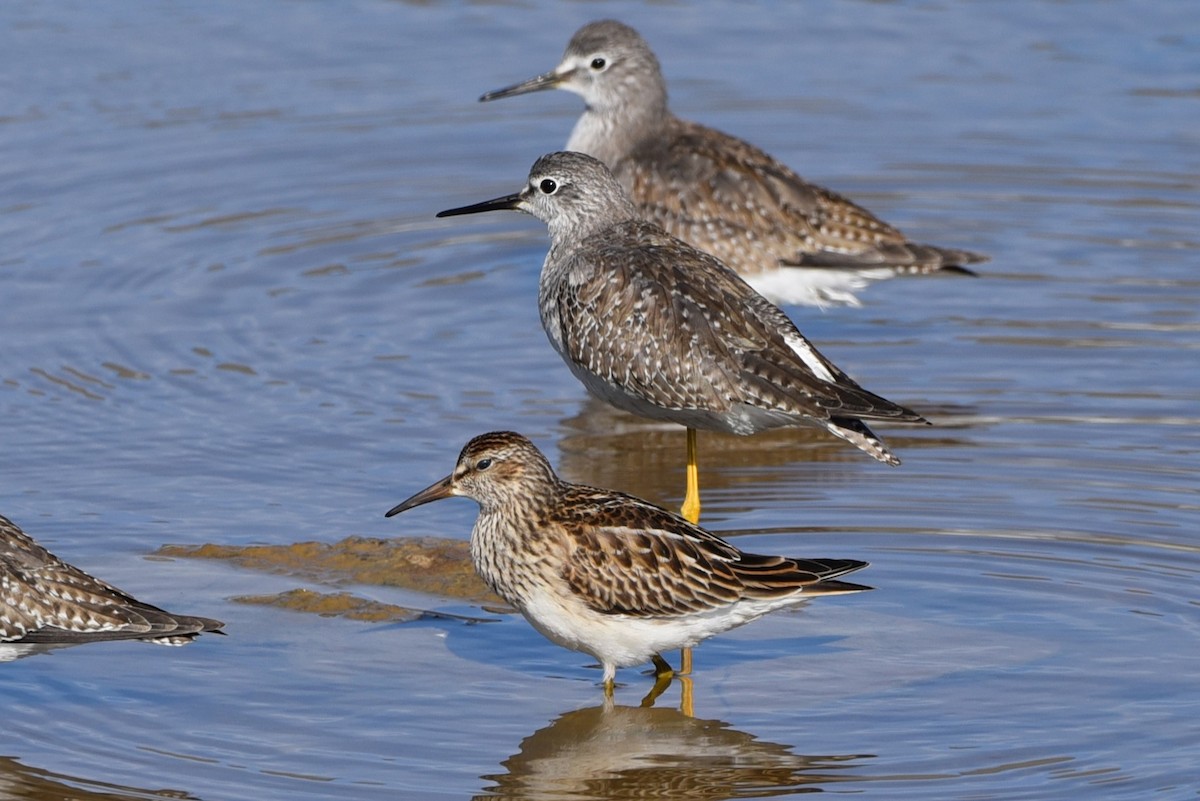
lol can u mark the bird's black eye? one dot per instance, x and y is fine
(598, 63)
(483, 464)
(548, 186)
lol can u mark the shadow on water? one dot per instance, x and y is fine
(609, 448)
(18, 781)
(611, 752)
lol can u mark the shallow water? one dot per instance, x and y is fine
(231, 317)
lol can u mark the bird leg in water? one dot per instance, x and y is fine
(662, 670)
(690, 510)
(663, 674)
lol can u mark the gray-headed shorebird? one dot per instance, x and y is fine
(665, 331)
(795, 242)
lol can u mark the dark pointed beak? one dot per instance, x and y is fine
(547, 81)
(508, 202)
(434, 492)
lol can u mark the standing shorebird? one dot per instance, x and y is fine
(795, 242)
(44, 600)
(665, 331)
(609, 574)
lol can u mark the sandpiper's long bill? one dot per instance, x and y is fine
(504, 203)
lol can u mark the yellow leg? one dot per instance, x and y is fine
(661, 668)
(687, 699)
(691, 501)
(608, 689)
(690, 512)
(663, 675)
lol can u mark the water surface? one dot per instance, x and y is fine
(230, 316)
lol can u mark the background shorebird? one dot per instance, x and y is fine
(795, 242)
(665, 331)
(44, 600)
(606, 573)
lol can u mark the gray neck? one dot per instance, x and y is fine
(610, 134)
(602, 211)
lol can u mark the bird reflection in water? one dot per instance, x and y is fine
(611, 752)
(606, 447)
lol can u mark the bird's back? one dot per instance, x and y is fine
(626, 556)
(755, 214)
(45, 600)
(666, 331)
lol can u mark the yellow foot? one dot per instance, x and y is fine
(661, 683)
(662, 667)
(690, 511)
(663, 674)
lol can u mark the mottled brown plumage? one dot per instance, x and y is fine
(606, 573)
(45, 600)
(794, 241)
(658, 328)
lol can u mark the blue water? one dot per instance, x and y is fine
(230, 316)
